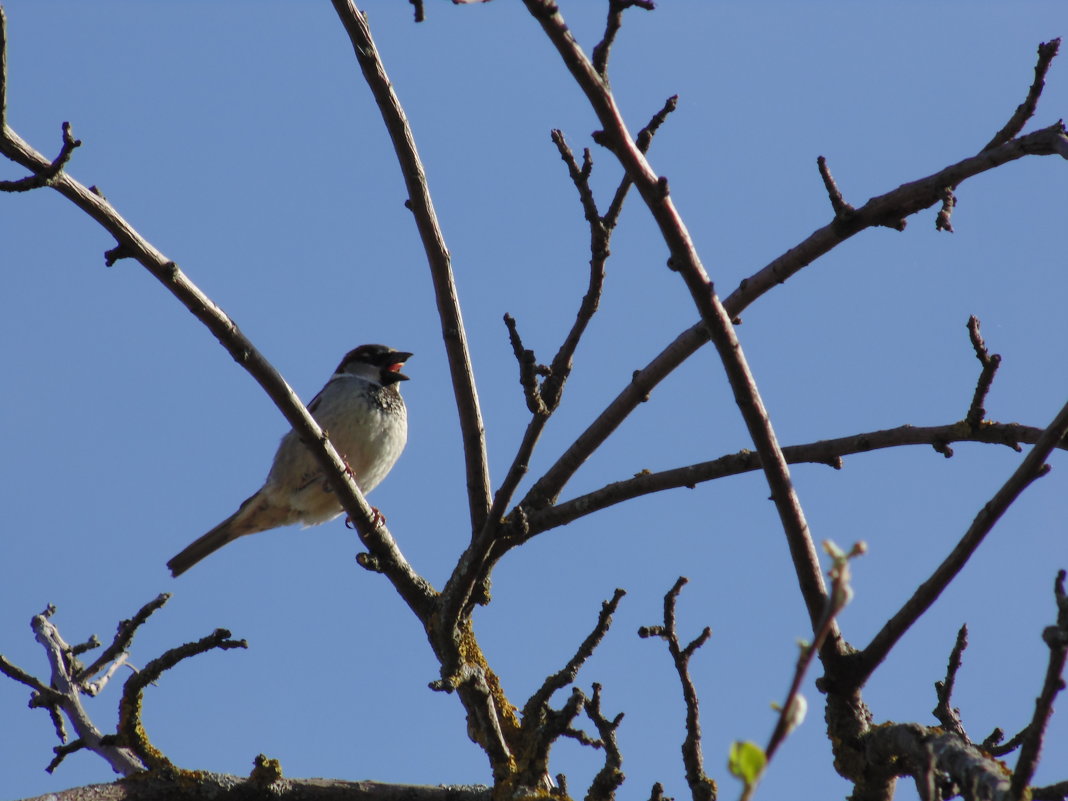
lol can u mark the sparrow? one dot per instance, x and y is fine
(362, 411)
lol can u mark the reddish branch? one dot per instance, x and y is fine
(684, 259)
(419, 201)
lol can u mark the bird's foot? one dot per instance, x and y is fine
(377, 519)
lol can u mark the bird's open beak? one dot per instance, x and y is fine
(398, 360)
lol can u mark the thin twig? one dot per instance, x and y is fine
(946, 714)
(842, 210)
(528, 369)
(702, 788)
(1032, 467)
(438, 258)
(611, 28)
(1046, 53)
(991, 742)
(47, 174)
(610, 776)
(792, 709)
(1056, 639)
(566, 675)
(976, 412)
(124, 636)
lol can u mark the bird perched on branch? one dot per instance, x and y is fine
(362, 410)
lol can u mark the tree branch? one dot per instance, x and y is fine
(1047, 51)
(829, 452)
(419, 201)
(131, 729)
(1032, 467)
(63, 682)
(947, 715)
(906, 200)
(684, 259)
(1056, 638)
(976, 412)
(702, 788)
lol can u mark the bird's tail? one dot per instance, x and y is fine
(252, 516)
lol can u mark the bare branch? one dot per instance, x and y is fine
(842, 210)
(926, 753)
(976, 412)
(612, 26)
(1032, 467)
(528, 369)
(567, 674)
(62, 681)
(124, 636)
(829, 452)
(1046, 53)
(684, 258)
(902, 202)
(702, 788)
(419, 201)
(610, 776)
(542, 725)
(131, 729)
(1056, 638)
(947, 715)
(46, 174)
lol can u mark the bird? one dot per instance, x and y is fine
(362, 411)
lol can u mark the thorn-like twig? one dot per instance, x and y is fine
(990, 362)
(702, 788)
(528, 369)
(842, 210)
(46, 175)
(1056, 639)
(611, 28)
(946, 714)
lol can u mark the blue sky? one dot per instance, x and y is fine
(240, 140)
